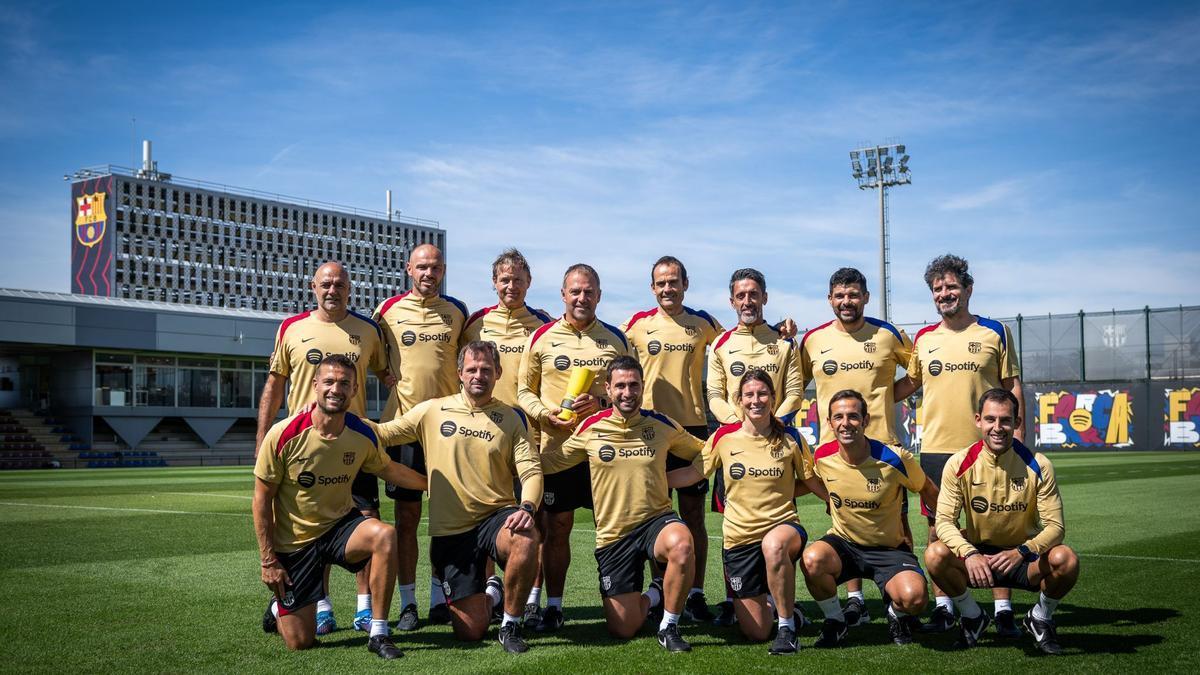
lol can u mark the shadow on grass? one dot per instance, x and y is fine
(1074, 615)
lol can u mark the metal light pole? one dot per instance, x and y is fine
(882, 175)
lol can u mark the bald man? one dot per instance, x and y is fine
(300, 344)
(423, 329)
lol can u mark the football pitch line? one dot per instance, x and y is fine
(124, 508)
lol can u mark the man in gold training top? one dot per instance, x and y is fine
(304, 514)
(424, 330)
(577, 340)
(475, 446)
(1014, 526)
(953, 363)
(626, 448)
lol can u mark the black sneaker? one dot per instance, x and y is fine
(785, 642)
(856, 612)
(1045, 633)
(798, 617)
(696, 608)
(439, 614)
(971, 629)
(384, 647)
(833, 634)
(941, 621)
(532, 616)
(510, 638)
(408, 618)
(270, 623)
(1006, 625)
(552, 620)
(498, 608)
(670, 639)
(725, 615)
(901, 629)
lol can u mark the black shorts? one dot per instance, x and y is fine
(306, 567)
(365, 490)
(411, 455)
(879, 563)
(699, 489)
(932, 465)
(621, 563)
(746, 567)
(460, 560)
(1018, 578)
(568, 490)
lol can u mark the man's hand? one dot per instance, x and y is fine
(276, 578)
(978, 571)
(586, 405)
(557, 423)
(1006, 561)
(787, 329)
(520, 521)
(390, 381)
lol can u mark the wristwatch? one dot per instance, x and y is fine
(1027, 554)
(527, 507)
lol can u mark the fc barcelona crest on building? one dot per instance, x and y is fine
(89, 218)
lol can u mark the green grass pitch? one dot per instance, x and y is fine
(152, 570)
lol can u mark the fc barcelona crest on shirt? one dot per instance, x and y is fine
(874, 485)
(90, 218)
(779, 452)
(869, 347)
(602, 343)
(1018, 483)
(648, 434)
(496, 417)
(974, 347)
(355, 340)
(348, 458)
(691, 331)
(773, 349)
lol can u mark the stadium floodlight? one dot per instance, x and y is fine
(881, 174)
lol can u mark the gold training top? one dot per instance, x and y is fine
(303, 340)
(1011, 499)
(760, 479)
(742, 349)
(671, 349)
(628, 460)
(424, 335)
(509, 330)
(472, 456)
(865, 500)
(314, 475)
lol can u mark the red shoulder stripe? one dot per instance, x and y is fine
(593, 419)
(639, 316)
(289, 321)
(826, 450)
(478, 315)
(537, 334)
(824, 325)
(724, 431)
(721, 340)
(925, 330)
(972, 455)
(299, 423)
(387, 304)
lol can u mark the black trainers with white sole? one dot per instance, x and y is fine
(1044, 633)
(785, 642)
(671, 640)
(856, 612)
(383, 646)
(511, 639)
(970, 630)
(833, 634)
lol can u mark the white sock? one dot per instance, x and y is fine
(668, 619)
(895, 613)
(1003, 606)
(535, 596)
(945, 601)
(509, 618)
(436, 596)
(1045, 607)
(653, 595)
(832, 608)
(855, 594)
(408, 594)
(554, 602)
(364, 601)
(493, 592)
(695, 590)
(275, 608)
(967, 605)
(378, 627)
(324, 605)
(789, 622)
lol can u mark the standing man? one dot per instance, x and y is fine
(423, 328)
(304, 514)
(861, 353)
(577, 340)
(1015, 527)
(955, 362)
(300, 344)
(476, 447)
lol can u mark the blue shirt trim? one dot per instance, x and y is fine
(883, 324)
(356, 424)
(1026, 455)
(995, 326)
(888, 456)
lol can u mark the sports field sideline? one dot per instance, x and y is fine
(152, 570)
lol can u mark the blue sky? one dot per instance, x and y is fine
(1050, 142)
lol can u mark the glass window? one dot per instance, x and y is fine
(114, 384)
(108, 357)
(197, 388)
(197, 363)
(237, 388)
(155, 384)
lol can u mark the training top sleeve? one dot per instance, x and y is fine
(529, 379)
(709, 460)
(949, 506)
(802, 459)
(570, 453)
(377, 460)
(903, 352)
(684, 445)
(793, 383)
(379, 356)
(1050, 510)
(914, 479)
(404, 429)
(1009, 365)
(281, 358)
(913, 367)
(268, 466)
(721, 408)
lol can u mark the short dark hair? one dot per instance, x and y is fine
(512, 258)
(339, 360)
(846, 276)
(584, 268)
(756, 375)
(748, 273)
(670, 260)
(479, 347)
(623, 363)
(948, 264)
(845, 394)
(998, 395)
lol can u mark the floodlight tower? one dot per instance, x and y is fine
(882, 175)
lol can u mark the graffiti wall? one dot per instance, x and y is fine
(1181, 417)
(1083, 418)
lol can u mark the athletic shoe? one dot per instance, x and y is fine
(670, 639)
(498, 608)
(856, 612)
(325, 623)
(383, 646)
(900, 630)
(833, 634)
(270, 623)
(1045, 633)
(552, 620)
(971, 629)
(725, 615)
(798, 617)
(408, 618)
(362, 620)
(532, 616)
(941, 621)
(785, 642)
(1006, 625)
(510, 638)
(439, 614)
(696, 608)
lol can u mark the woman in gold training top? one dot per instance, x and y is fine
(766, 465)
